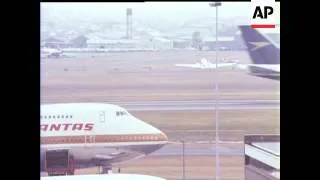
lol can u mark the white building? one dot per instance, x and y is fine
(112, 43)
(156, 43)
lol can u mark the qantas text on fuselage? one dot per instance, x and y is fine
(67, 127)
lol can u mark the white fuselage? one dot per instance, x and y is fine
(97, 134)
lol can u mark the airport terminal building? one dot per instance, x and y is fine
(262, 157)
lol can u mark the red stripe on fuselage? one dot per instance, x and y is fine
(102, 139)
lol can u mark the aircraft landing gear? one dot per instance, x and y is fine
(106, 170)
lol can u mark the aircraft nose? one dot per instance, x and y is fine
(162, 136)
(150, 130)
(158, 134)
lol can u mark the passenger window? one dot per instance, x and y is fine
(45, 117)
(62, 116)
(53, 117)
(66, 116)
(49, 117)
(70, 116)
(118, 113)
(58, 116)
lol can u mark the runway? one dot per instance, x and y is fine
(198, 105)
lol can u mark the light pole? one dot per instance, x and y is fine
(216, 5)
(183, 161)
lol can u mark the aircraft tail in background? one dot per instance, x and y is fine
(262, 49)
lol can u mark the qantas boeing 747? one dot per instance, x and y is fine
(93, 134)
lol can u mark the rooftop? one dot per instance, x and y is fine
(272, 147)
(263, 154)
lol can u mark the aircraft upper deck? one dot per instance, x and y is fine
(81, 106)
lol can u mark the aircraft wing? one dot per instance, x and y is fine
(270, 67)
(275, 68)
(103, 177)
(207, 66)
(189, 65)
(221, 65)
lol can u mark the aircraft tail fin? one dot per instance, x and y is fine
(261, 49)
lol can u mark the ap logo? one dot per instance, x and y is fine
(263, 15)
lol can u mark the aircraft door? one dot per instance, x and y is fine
(89, 140)
(90, 137)
(102, 117)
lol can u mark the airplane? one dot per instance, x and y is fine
(103, 177)
(206, 64)
(50, 52)
(81, 135)
(264, 53)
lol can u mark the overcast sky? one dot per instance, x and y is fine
(150, 10)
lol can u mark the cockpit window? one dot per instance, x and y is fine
(121, 113)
